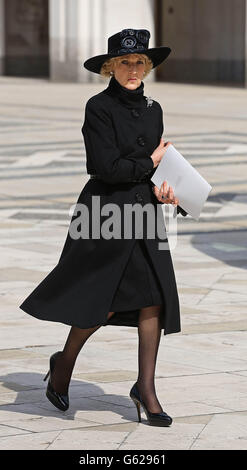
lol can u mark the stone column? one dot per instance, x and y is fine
(2, 38)
(207, 40)
(245, 49)
(70, 40)
(79, 29)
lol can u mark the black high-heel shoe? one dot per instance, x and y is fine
(58, 400)
(154, 419)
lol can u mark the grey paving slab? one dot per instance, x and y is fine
(224, 433)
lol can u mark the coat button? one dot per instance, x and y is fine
(139, 197)
(141, 141)
(135, 113)
(148, 172)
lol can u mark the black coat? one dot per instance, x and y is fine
(120, 132)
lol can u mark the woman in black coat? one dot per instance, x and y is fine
(104, 277)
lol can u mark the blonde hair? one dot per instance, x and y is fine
(109, 64)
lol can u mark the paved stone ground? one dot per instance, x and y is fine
(201, 374)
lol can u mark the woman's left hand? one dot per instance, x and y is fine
(165, 194)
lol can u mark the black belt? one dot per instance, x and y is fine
(98, 177)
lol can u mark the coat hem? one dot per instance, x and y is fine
(45, 318)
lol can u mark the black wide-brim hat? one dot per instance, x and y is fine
(128, 41)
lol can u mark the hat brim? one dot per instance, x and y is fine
(156, 54)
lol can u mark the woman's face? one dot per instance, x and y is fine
(129, 71)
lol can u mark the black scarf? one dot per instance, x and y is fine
(130, 98)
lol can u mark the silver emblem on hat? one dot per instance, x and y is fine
(127, 32)
(128, 42)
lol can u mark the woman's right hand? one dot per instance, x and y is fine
(159, 151)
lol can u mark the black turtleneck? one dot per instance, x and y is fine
(130, 98)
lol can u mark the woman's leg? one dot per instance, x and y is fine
(65, 361)
(149, 332)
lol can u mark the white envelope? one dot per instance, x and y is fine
(189, 186)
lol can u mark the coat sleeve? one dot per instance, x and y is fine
(101, 146)
(161, 130)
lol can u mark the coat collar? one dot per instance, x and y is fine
(129, 98)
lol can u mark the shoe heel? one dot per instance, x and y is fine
(154, 419)
(137, 403)
(47, 375)
(52, 360)
(57, 399)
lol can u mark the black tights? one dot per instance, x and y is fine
(149, 332)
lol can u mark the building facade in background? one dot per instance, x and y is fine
(52, 38)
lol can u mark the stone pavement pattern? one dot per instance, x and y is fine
(201, 373)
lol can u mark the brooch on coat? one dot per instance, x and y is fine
(149, 101)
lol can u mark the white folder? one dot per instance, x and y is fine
(188, 185)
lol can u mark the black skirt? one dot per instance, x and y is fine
(139, 287)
